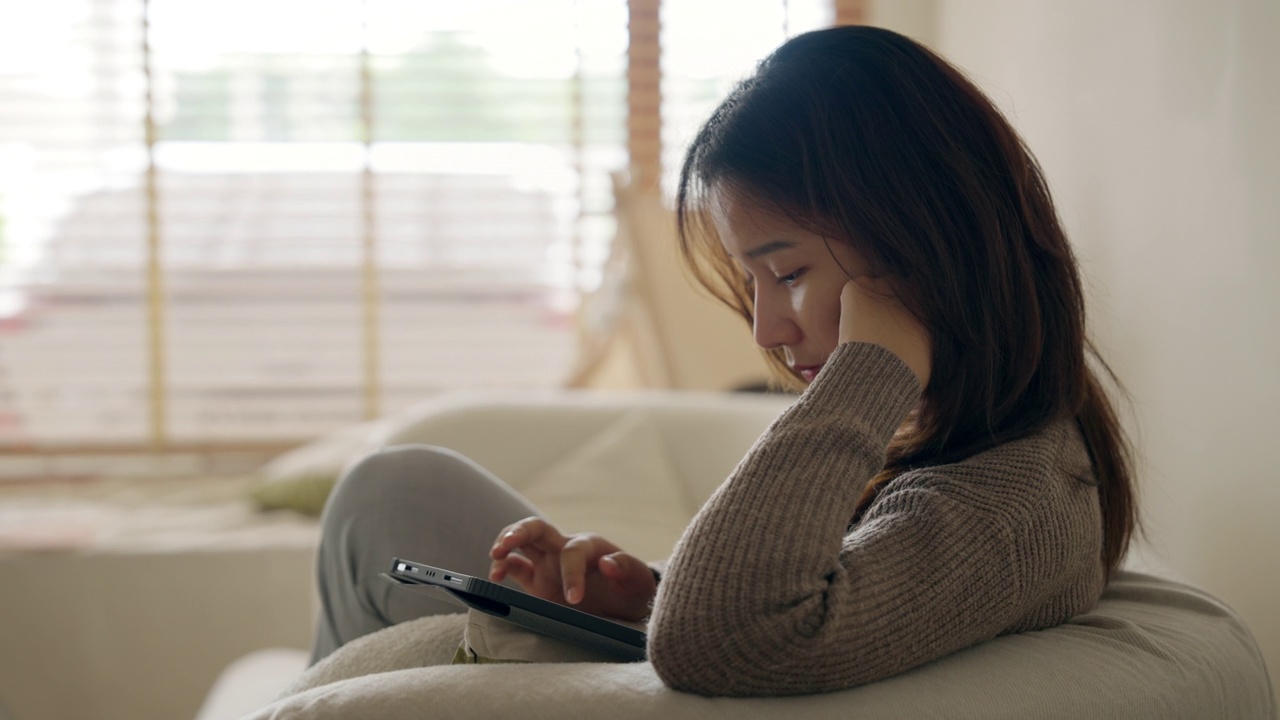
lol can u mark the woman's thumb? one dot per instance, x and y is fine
(624, 568)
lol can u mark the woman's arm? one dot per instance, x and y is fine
(765, 594)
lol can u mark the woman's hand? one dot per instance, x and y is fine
(870, 312)
(583, 570)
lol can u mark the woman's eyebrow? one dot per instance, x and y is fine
(769, 247)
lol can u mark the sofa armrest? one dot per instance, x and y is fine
(251, 682)
(1152, 649)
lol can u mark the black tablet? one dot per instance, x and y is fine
(521, 608)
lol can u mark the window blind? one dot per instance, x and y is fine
(73, 345)
(701, 65)
(355, 204)
(254, 221)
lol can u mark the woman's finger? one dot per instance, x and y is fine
(628, 571)
(516, 567)
(578, 552)
(532, 532)
(871, 312)
(542, 533)
(506, 539)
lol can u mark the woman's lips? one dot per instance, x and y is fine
(808, 372)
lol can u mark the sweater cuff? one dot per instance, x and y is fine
(884, 389)
(658, 568)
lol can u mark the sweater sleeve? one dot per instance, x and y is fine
(768, 594)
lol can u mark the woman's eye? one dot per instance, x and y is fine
(790, 277)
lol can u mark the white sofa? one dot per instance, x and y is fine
(636, 467)
(122, 598)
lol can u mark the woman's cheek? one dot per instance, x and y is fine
(803, 304)
(816, 310)
(797, 300)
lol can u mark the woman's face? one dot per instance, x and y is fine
(795, 279)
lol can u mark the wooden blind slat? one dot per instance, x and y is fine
(851, 12)
(156, 342)
(644, 92)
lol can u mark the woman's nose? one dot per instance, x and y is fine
(773, 329)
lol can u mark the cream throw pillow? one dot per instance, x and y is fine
(302, 479)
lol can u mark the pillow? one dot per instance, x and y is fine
(305, 493)
(301, 479)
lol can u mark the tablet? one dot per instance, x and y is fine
(542, 616)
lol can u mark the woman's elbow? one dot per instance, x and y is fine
(705, 676)
(695, 659)
(689, 660)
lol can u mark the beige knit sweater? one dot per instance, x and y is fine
(769, 593)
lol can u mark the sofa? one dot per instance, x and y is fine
(635, 467)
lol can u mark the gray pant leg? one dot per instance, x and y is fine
(414, 501)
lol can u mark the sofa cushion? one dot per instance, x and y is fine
(1152, 649)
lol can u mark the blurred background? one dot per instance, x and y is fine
(237, 223)
(233, 231)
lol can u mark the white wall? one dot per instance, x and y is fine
(1158, 123)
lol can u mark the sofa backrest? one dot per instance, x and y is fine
(634, 467)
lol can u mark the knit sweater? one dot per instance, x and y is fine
(770, 592)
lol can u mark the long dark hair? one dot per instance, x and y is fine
(871, 139)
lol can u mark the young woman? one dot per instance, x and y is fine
(954, 469)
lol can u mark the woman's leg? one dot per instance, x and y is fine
(414, 501)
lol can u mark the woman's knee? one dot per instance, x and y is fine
(397, 475)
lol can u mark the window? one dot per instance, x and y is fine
(257, 220)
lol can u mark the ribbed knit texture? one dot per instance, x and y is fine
(769, 592)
